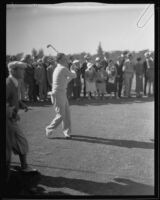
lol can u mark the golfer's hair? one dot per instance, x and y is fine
(59, 57)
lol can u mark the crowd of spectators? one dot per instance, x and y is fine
(96, 79)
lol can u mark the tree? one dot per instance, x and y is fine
(34, 53)
(40, 53)
(100, 51)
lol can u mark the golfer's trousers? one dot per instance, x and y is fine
(62, 110)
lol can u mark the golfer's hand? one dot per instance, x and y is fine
(51, 94)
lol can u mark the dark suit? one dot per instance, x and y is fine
(77, 85)
(148, 74)
(83, 68)
(30, 81)
(119, 78)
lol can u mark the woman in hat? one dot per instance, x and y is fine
(111, 80)
(90, 77)
(101, 77)
(77, 80)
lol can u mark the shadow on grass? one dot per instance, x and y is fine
(114, 142)
(25, 184)
(86, 102)
(21, 183)
(29, 184)
(119, 186)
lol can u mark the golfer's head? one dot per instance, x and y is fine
(61, 59)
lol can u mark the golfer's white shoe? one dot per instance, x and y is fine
(65, 132)
(49, 133)
(67, 135)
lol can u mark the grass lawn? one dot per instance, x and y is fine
(111, 151)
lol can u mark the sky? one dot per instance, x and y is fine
(75, 28)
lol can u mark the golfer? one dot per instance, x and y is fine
(61, 77)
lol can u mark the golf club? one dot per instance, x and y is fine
(49, 45)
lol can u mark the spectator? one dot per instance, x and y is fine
(101, 77)
(97, 64)
(71, 82)
(45, 64)
(128, 69)
(50, 70)
(148, 67)
(77, 80)
(138, 68)
(29, 78)
(104, 62)
(35, 64)
(83, 69)
(111, 81)
(90, 78)
(119, 79)
(40, 78)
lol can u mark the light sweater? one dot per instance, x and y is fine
(61, 77)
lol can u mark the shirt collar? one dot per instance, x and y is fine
(14, 80)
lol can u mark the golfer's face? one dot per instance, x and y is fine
(65, 61)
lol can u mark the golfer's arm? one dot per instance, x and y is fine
(71, 75)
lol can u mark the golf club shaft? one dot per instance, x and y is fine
(53, 48)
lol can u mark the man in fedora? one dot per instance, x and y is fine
(50, 69)
(16, 140)
(61, 77)
(83, 68)
(77, 80)
(128, 70)
(148, 67)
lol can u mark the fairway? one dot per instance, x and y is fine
(111, 151)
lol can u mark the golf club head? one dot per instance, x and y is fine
(48, 45)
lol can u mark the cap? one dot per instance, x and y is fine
(16, 64)
(97, 59)
(146, 54)
(86, 56)
(39, 61)
(75, 61)
(89, 65)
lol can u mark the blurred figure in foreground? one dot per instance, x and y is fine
(16, 141)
